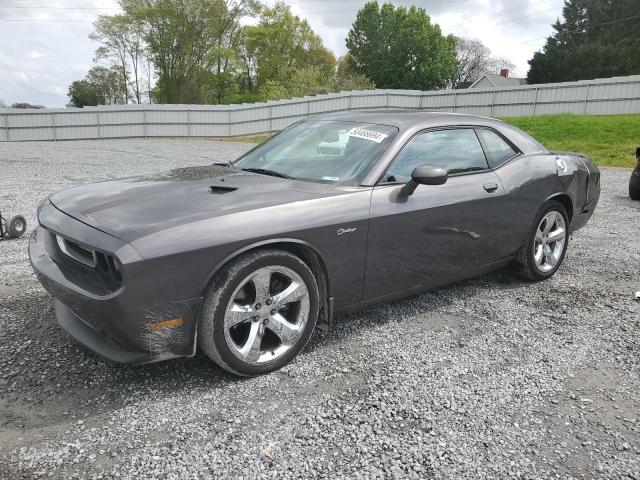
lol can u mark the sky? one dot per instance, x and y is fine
(44, 44)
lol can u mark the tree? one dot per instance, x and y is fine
(121, 42)
(596, 38)
(202, 51)
(101, 86)
(107, 83)
(281, 43)
(180, 35)
(474, 60)
(346, 80)
(25, 105)
(400, 48)
(83, 94)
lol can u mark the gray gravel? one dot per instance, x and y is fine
(488, 378)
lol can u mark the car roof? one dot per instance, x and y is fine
(415, 121)
(404, 119)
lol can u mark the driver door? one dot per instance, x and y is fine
(438, 234)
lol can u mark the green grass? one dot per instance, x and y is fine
(611, 141)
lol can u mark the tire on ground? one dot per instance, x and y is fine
(16, 226)
(211, 337)
(525, 261)
(634, 184)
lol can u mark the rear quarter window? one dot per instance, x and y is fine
(497, 149)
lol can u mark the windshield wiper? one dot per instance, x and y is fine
(266, 171)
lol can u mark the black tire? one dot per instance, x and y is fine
(634, 184)
(525, 262)
(16, 226)
(211, 337)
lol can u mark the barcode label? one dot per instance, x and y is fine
(367, 134)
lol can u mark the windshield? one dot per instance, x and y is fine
(320, 151)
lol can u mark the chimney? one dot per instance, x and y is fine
(504, 73)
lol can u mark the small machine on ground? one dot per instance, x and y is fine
(12, 227)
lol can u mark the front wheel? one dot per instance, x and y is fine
(260, 313)
(546, 244)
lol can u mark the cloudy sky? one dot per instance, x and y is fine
(44, 44)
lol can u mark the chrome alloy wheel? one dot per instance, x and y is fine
(550, 241)
(267, 314)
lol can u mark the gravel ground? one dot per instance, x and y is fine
(489, 378)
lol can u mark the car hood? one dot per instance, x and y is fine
(133, 207)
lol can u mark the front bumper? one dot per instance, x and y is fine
(119, 324)
(99, 342)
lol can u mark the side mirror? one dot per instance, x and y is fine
(425, 175)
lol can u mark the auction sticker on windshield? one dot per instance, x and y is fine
(367, 134)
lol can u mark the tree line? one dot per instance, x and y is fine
(234, 51)
(595, 39)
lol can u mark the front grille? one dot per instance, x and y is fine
(98, 271)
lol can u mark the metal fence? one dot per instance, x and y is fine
(619, 95)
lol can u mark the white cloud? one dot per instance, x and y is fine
(40, 57)
(35, 54)
(43, 50)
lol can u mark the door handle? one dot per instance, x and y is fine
(490, 187)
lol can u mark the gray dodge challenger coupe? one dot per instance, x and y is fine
(335, 213)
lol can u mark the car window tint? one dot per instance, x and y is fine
(457, 151)
(498, 151)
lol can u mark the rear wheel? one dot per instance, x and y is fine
(260, 313)
(545, 247)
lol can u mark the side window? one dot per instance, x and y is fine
(456, 150)
(498, 151)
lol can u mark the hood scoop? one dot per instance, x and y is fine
(220, 190)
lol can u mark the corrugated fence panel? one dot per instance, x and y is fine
(210, 130)
(614, 107)
(409, 100)
(209, 116)
(368, 101)
(167, 130)
(250, 114)
(562, 94)
(515, 97)
(4, 130)
(515, 110)
(438, 102)
(167, 116)
(282, 123)
(336, 104)
(30, 120)
(288, 109)
(468, 99)
(558, 108)
(595, 97)
(121, 117)
(76, 119)
(77, 132)
(621, 90)
(37, 133)
(122, 131)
